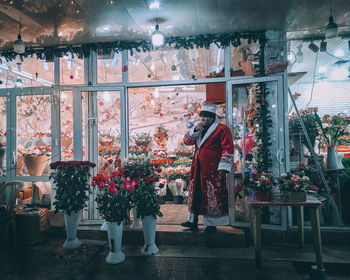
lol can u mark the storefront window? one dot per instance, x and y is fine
(244, 58)
(33, 135)
(173, 64)
(66, 112)
(109, 68)
(108, 130)
(71, 70)
(159, 117)
(30, 72)
(3, 142)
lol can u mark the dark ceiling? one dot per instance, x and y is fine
(52, 22)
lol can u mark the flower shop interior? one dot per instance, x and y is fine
(90, 86)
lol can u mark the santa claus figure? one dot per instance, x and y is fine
(212, 161)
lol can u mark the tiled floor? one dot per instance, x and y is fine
(175, 214)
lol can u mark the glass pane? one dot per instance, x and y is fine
(246, 142)
(109, 68)
(71, 70)
(27, 73)
(244, 58)
(3, 143)
(33, 135)
(85, 128)
(172, 64)
(66, 112)
(158, 120)
(108, 115)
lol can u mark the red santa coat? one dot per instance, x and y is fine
(213, 152)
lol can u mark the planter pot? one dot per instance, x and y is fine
(149, 234)
(35, 165)
(332, 162)
(115, 234)
(262, 196)
(71, 223)
(136, 222)
(296, 196)
(178, 199)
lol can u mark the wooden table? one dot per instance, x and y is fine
(314, 207)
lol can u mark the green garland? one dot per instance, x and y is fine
(200, 41)
(263, 138)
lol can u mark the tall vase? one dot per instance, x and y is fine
(115, 234)
(103, 227)
(332, 161)
(149, 234)
(71, 223)
(136, 222)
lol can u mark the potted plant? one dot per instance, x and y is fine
(332, 128)
(71, 180)
(294, 186)
(146, 202)
(113, 199)
(260, 185)
(142, 139)
(161, 136)
(177, 184)
(36, 158)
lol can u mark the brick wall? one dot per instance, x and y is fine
(330, 97)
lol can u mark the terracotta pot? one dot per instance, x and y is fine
(296, 196)
(262, 196)
(35, 165)
(19, 165)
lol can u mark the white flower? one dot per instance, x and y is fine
(305, 178)
(284, 175)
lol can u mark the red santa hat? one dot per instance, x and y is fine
(206, 107)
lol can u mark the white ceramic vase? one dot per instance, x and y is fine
(115, 234)
(149, 234)
(136, 222)
(71, 223)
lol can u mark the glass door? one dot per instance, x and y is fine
(97, 127)
(250, 125)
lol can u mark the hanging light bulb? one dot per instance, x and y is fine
(331, 27)
(19, 46)
(157, 37)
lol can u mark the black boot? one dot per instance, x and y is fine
(210, 229)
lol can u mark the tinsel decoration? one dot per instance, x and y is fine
(200, 41)
(262, 133)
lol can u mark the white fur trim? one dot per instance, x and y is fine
(208, 133)
(209, 108)
(216, 221)
(193, 134)
(224, 165)
(212, 221)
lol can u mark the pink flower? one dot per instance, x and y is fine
(112, 189)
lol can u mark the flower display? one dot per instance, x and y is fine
(290, 182)
(161, 136)
(142, 139)
(36, 151)
(114, 195)
(109, 158)
(333, 127)
(139, 155)
(180, 153)
(262, 182)
(71, 180)
(162, 161)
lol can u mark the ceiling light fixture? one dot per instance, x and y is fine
(154, 5)
(323, 46)
(313, 47)
(18, 45)
(331, 27)
(157, 37)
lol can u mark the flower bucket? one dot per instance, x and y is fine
(296, 196)
(136, 222)
(35, 164)
(262, 196)
(332, 162)
(115, 234)
(103, 227)
(149, 234)
(71, 223)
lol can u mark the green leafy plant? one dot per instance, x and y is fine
(114, 195)
(72, 181)
(260, 182)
